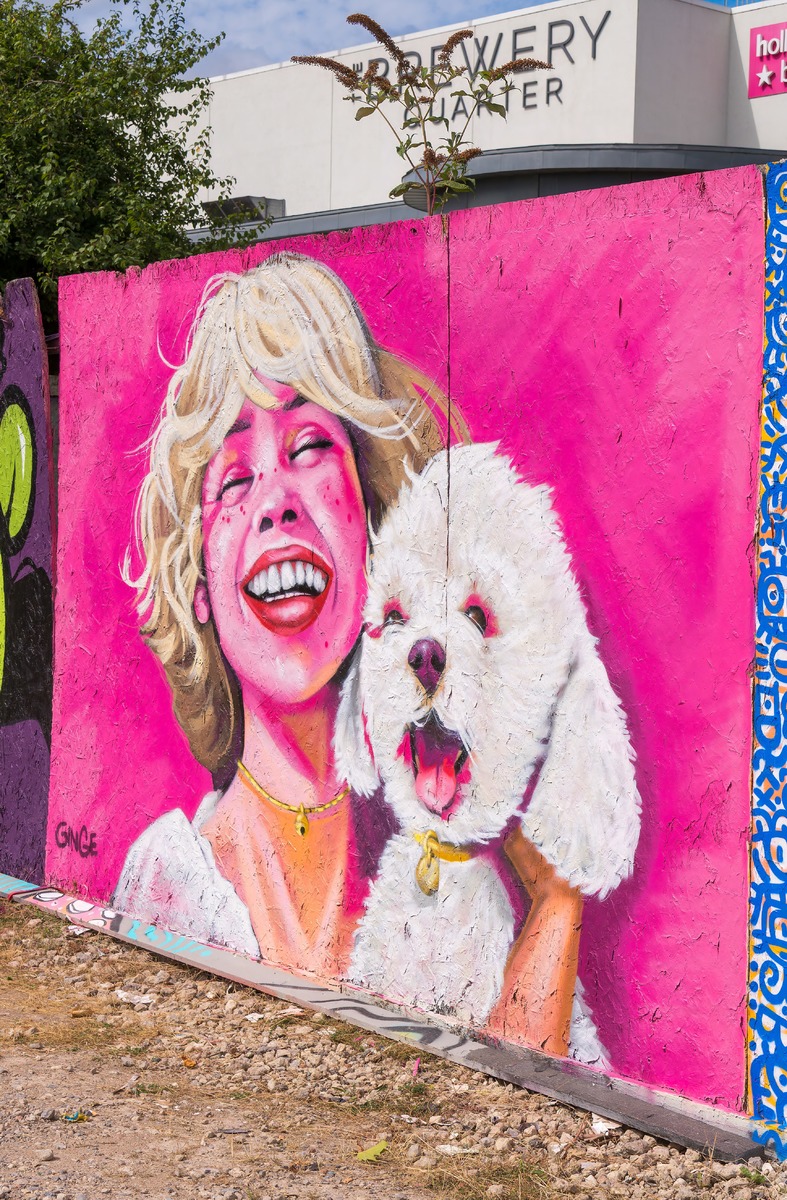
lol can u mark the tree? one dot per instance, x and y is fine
(438, 171)
(104, 146)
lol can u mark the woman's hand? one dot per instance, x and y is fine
(538, 989)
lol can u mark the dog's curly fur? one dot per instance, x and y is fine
(530, 700)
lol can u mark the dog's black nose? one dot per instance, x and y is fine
(427, 660)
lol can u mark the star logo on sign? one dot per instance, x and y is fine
(765, 76)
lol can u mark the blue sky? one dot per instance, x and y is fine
(269, 31)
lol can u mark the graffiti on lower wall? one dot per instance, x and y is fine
(767, 1019)
(25, 587)
(396, 645)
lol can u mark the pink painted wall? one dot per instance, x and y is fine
(611, 342)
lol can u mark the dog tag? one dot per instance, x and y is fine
(301, 822)
(427, 873)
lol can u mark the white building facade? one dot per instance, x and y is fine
(637, 88)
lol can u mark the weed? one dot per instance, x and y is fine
(755, 1177)
(414, 1099)
(404, 1052)
(377, 1101)
(346, 1035)
(151, 1089)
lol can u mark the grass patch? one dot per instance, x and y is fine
(403, 1052)
(381, 1101)
(151, 1089)
(57, 1032)
(415, 1099)
(348, 1035)
(525, 1181)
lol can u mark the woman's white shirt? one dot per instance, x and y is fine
(170, 878)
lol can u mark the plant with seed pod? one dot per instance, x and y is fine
(438, 156)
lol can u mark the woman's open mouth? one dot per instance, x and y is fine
(437, 757)
(287, 588)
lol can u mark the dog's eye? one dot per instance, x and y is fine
(477, 615)
(393, 616)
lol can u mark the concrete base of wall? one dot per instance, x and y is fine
(729, 1136)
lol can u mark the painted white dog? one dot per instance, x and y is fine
(476, 676)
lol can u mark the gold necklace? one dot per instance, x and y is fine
(302, 813)
(427, 871)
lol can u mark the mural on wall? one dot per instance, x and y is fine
(25, 587)
(436, 654)
(767, 1024)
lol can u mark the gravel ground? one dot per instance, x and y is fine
(185, 1096)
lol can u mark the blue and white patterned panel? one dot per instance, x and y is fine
(768, 937)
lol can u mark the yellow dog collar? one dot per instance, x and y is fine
(427, 871)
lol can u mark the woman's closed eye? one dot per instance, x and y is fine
(311, 443)
(234, 488)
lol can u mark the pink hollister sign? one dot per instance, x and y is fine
(768, 60)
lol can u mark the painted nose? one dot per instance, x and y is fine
(427, 661)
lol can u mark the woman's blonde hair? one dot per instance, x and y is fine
(293, 321)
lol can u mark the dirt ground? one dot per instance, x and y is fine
(212, 1090)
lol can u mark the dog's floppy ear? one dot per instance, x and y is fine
(584, 814)
(352, 753)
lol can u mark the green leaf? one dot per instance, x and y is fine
(399, 190)
(363, 112)
(457, 185)
(373, 1153)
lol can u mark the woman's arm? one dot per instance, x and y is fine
(538, 988)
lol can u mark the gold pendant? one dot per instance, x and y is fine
(301, 822)
(427, 871)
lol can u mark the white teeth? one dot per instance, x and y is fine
(287, 576)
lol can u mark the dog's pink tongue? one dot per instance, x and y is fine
(435, 783)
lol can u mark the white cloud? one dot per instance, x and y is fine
(269, 31)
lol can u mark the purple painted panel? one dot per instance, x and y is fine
(25, 583)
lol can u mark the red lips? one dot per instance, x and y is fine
(296, 610)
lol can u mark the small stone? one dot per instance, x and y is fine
(496, 1189)
(42, 1156)
(427, 1163)
(413, 1152)
(726, 1170)
(48, 1114)
(503, 1144)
